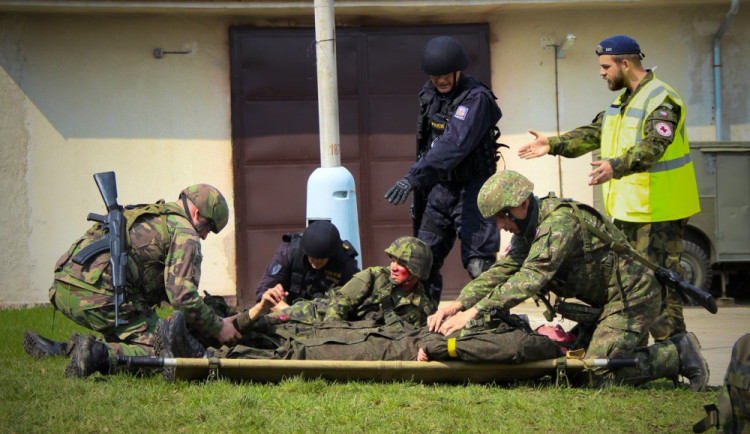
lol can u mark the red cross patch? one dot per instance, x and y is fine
(663, 129)
(507, 250)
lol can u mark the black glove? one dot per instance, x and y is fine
(399, 192)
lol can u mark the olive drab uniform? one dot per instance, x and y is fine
(654, 190)
(164, 264)
(732, 413)
(560, 253)
(290, 267)
(364, 340)
(456, 153)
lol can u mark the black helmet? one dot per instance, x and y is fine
(320, 239)
(443, 55)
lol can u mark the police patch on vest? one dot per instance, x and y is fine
(461, 112)
(663, 129)
(275, 270)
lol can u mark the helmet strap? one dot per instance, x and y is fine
(532, 214)
(198, 228)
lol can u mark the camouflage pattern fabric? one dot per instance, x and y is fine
(734, 399)
(370, 293)
(732, 413)
(637, 159)
(414, 253)
(164, 260)
(503, 190)
(666, 246)
(661, 243)
(550, 256)
(306, 311)
(210, 204)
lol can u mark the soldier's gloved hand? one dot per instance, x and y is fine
(399, 192)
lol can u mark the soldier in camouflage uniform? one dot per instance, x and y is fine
(564, 247)
(645, 164)
(164, 264)
(392, 295)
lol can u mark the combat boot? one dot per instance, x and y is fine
(40, 347)
(89, 356)
(181, 342)
(161, 339)
(692, 364)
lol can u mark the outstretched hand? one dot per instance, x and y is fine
(399, 192)
(536, 148)
(601, 173)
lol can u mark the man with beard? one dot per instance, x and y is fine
(645, 164)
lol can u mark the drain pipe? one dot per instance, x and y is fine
(717, 67)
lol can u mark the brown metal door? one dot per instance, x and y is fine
(275, 133)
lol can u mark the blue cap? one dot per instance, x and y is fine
(619, 44)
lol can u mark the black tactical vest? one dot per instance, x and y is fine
(431, 123)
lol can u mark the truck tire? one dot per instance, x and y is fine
(697, 267)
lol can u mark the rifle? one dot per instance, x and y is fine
(671, 279)
(667, 277)
(114, 225)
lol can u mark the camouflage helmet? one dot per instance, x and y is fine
(210, 204)
(414, 254)
(503, 190)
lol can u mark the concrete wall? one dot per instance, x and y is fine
(82, 93)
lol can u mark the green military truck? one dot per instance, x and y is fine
(717, 240)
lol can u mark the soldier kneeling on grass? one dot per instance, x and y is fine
(162, 244)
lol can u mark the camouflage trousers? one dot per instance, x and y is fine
(661, 243)
(95, 311)
(361, 340)
(622, 333)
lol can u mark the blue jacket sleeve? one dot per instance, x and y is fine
(477, 113)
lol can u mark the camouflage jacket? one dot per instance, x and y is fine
(370, 295)
(637, 159)
(555, 254)
(164, 264)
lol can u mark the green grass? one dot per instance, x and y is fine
(35, 396)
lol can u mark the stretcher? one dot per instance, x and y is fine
(426, 372)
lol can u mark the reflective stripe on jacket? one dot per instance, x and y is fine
(667, 191)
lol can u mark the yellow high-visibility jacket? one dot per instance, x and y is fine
(667, 191)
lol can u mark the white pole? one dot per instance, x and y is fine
(328, 107)
(331, 194)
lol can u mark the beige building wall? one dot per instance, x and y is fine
(83, 93)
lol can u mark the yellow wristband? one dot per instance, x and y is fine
(452, 348)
